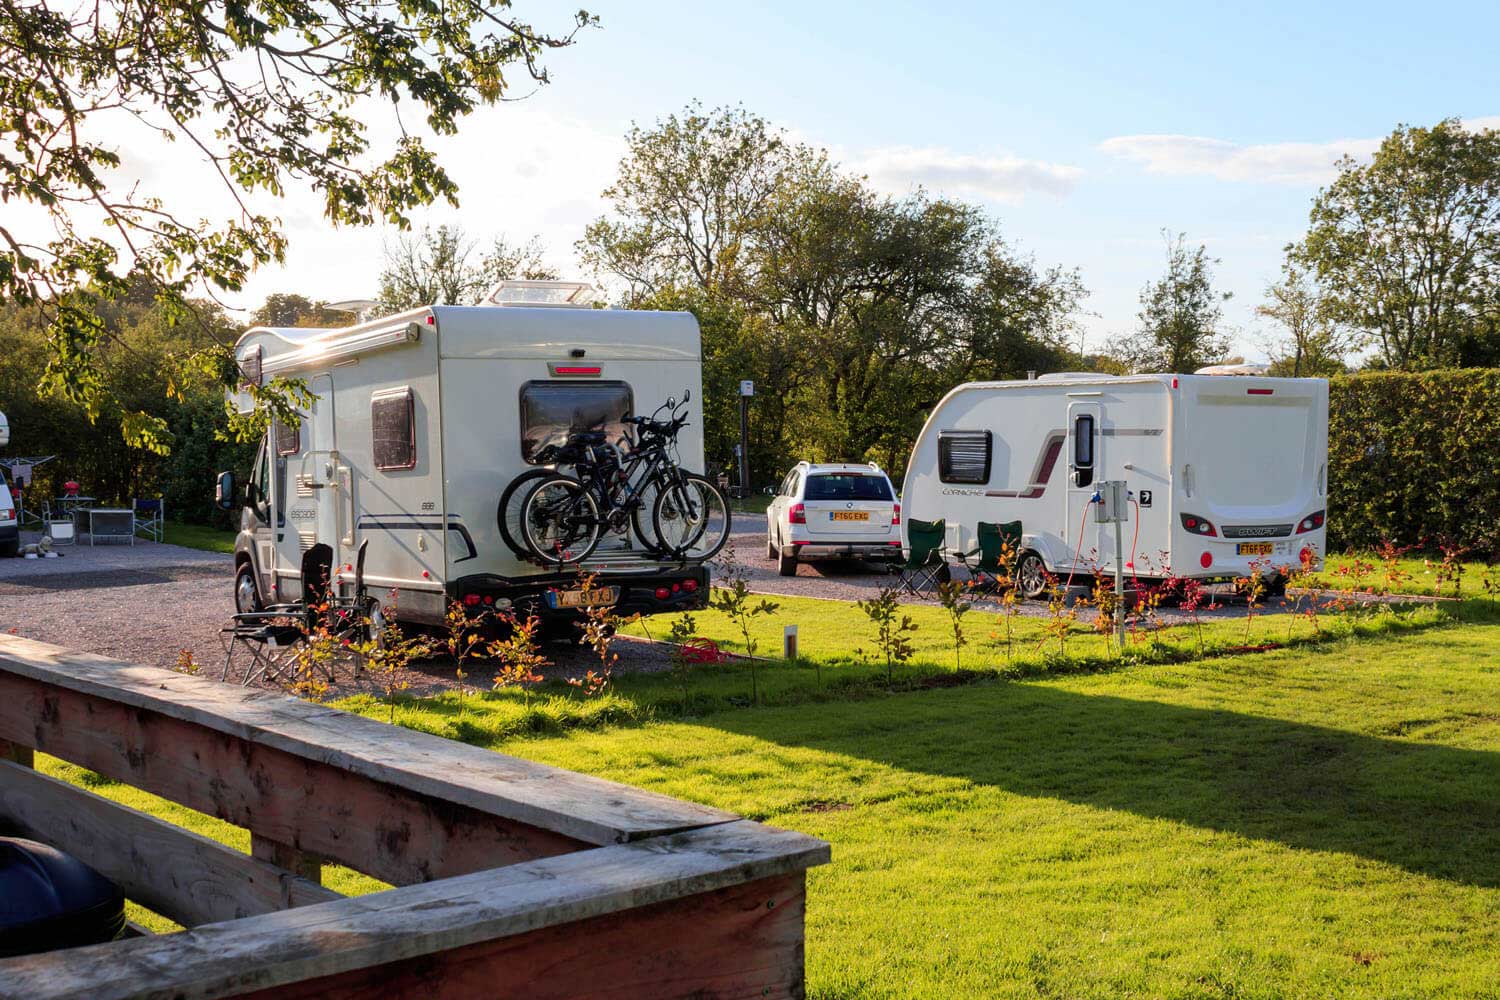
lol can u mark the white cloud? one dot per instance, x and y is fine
(1274, 163)
(998, 178)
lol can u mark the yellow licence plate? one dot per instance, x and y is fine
(600, 597)
(849, 515)
(1255, 548)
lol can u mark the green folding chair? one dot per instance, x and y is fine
(999, 547)
(925, 563)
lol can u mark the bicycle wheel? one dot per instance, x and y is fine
(560, 521)
(691, 518)
(508, 513)
(640, 515)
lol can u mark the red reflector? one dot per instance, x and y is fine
(662, 593)
(1174, 383)
(431, 320)
(893, 543)
(1260, 392)
(1206, 560)
(689, 585)
(577, 370)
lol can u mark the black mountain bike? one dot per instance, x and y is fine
(563, 518)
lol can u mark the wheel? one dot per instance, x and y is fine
(1031, 576)
(246, 599)
(786, 561)
(691, 518)
(508, 513)
(560, 521)
(640, 516)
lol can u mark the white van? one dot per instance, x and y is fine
(10, 531)
(418, 424)
(1222, 470)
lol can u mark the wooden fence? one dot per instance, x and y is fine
(512, 879)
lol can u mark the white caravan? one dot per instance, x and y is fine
(1222, 471)
(419, 422)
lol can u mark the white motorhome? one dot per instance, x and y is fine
(1222, 470)
(418, 423)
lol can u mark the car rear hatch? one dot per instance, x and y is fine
(854, 504)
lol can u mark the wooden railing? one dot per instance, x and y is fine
(512, 878)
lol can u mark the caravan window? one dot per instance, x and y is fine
(393, 425)
(964, 456)
(1083, 449)
(550, 411)
(288, 439)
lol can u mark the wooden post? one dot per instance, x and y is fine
(309, 866)
(789, 644)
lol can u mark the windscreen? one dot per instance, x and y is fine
(551, 411)
(847, 486)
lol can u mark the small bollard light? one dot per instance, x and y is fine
(789, 643)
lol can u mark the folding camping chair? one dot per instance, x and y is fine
(150, 518)
(925, 562)
(999, 545)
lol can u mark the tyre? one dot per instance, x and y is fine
(1031, 576)
(508, 513)
(640, 516)
(691, 518)
(560, 521)
(786, 561)
(246, 598)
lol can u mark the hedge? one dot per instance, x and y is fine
(1412, 458)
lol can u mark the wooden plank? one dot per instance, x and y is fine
(576, 806)
(177, 873)
(16, 753)
(292, 946)
(309, 805)
(738, 943)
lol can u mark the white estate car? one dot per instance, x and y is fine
(830, 512)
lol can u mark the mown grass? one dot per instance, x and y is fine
(199, 536)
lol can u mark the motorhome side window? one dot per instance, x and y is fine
(964, 456)
(288, 439)
(393, 426)
(550, 411)
(1083, 449)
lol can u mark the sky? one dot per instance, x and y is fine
(1085, 129)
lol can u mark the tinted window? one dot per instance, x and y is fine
(393, 427)
(849, 486)
(1083, 441)
(964, 456)
(550, 411)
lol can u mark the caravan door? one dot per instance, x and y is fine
(326, 470)
(1085, 469)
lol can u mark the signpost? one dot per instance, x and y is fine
(747, 390)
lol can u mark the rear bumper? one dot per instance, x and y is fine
(686, 587)
(10, 532)
(847, 550)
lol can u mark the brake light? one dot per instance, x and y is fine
(896, 514)
(7, 513)
(797, 515)
(689, 585)
(471, 600)
(1311, 522)
(1259, 392)
(1199, 525)
(662, 593)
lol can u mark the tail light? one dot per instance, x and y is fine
(896, 514)
(471, 600)
(662, 593)
(689, 585)
(7, 513)
(1199, 525)
(1311, 522)
(797, 515)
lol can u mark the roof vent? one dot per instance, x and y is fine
(1233, 370)
(571, 294)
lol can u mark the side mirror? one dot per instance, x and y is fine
(224, 491)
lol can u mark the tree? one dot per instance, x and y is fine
(1180, 315)
(437, 267)
(270, 94)
(1408, 245)
(687, 194)
(290, 309)
(1313, 343)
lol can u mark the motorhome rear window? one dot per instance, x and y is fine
(964, 456)
(847, 487)
(393, 425)
(550, 411)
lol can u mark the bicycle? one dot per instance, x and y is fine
(563, 518)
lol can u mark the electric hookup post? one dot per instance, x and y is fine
(747, 390)
(1112, 500)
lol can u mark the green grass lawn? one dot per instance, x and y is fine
(1412, 573)
(198, 536)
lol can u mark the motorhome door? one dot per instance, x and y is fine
(1085, 469)
(324, 468)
